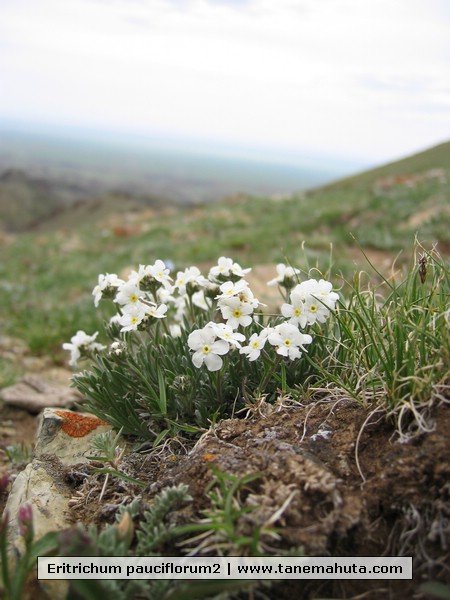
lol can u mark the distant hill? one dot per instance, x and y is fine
(24, 199)
(27, 202)
(66, 187)
(437, 157)
(41, 174)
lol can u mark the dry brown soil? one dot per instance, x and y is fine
(354, 491)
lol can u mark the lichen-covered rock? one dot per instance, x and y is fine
(63, 439)
(67, 435)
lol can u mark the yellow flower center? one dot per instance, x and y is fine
(297, 312)
(206, 349)
(134, 320)
(287, 343)
(237, 313)
(313, 308)
(133, 298)
(255, 345)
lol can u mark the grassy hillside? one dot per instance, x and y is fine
(47, 275)
(437, 157)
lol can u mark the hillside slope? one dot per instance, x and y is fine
(437, 157)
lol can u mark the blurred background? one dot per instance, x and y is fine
(190, 100)
(132, 130)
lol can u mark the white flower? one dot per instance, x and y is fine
(133, 315)
(175, 330)
(190, 280)
(160, 272)
(236, 312)
(314, 299)
(82, 344)
(137, 276)
(247, 296)
(148, 274)
(207, 349)
(288, 340)
(295, 312)
(325, 294)
(240, 289)
(285, 275)
(222, 269)
(315, 310)
(164, 295)
(255, 345)
(226, 268)
(128, 293)
(225, 332)
(321, 290)
(199, 300)
(157, 312)
(237, 270)
(231, 288)
(180, 305)
(105, 283)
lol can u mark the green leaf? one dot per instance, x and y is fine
(162, 393)
(161, 435)
(116, 473)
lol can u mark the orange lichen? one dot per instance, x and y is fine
(209, 457)
(77, 425)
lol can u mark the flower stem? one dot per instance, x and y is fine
(268, 375)
(219, 386)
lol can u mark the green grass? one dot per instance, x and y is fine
(390, 343)
(10, 372)
(436, 157)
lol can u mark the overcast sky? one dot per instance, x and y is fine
(361, 79)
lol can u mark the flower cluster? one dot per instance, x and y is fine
(82, 345)
(311, 301)
(224, 302)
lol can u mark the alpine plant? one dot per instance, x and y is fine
(150, 295)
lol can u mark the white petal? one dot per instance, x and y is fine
(213, 362)
(197, 358)
(283, 350)
(195, 339)
(220, 347)
(287, 310)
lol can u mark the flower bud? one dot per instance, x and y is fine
(25, 522)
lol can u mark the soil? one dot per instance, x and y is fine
(334, 480)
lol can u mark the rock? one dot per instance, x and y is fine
(34, 394)
(67, 435)
(63, 439)
(49, 500)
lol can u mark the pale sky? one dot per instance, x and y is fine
(361, 79)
